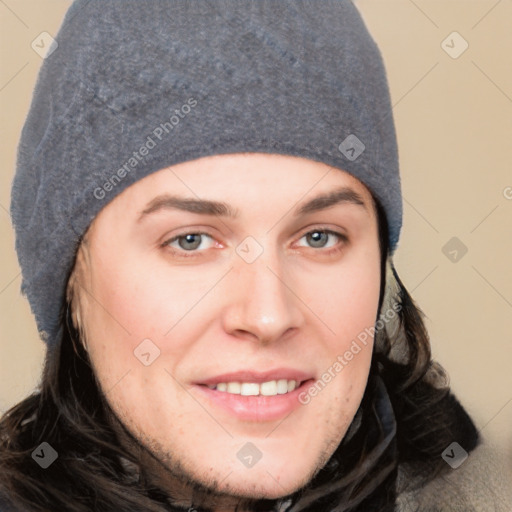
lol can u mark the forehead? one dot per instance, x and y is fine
(241, 186)
(244, 179)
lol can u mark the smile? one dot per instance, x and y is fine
(254, 406)
(269, 388)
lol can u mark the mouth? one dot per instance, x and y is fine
(253, 396)
(251, 383)
(268, 388)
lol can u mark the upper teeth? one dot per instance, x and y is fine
(270, 388)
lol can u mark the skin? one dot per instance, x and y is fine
(294, 306)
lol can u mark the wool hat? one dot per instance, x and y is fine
(131, 87)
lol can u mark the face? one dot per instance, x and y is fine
(218, 296)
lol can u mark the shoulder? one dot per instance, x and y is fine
(483, 482)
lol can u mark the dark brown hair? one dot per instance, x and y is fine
(69, 412)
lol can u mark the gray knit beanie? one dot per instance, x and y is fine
(135, 86)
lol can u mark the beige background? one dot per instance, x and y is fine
(454, 123)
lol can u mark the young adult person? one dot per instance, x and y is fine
(206, 205)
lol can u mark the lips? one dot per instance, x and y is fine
(254, 409)
(259, 396)
(258, 377)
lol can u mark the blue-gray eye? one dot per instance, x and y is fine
(188, 241)
(318, 238)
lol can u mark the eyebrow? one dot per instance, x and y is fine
(332, 198)
(209, 207)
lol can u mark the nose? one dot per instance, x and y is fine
(263, 304)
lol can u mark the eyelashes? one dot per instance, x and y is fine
(177, 238)
(195, 239)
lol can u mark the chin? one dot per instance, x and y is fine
(266, 482)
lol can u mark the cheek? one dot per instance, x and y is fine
(136, 308)
(126, 308)
(132, 298)
(349, 306)
(350, 312)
